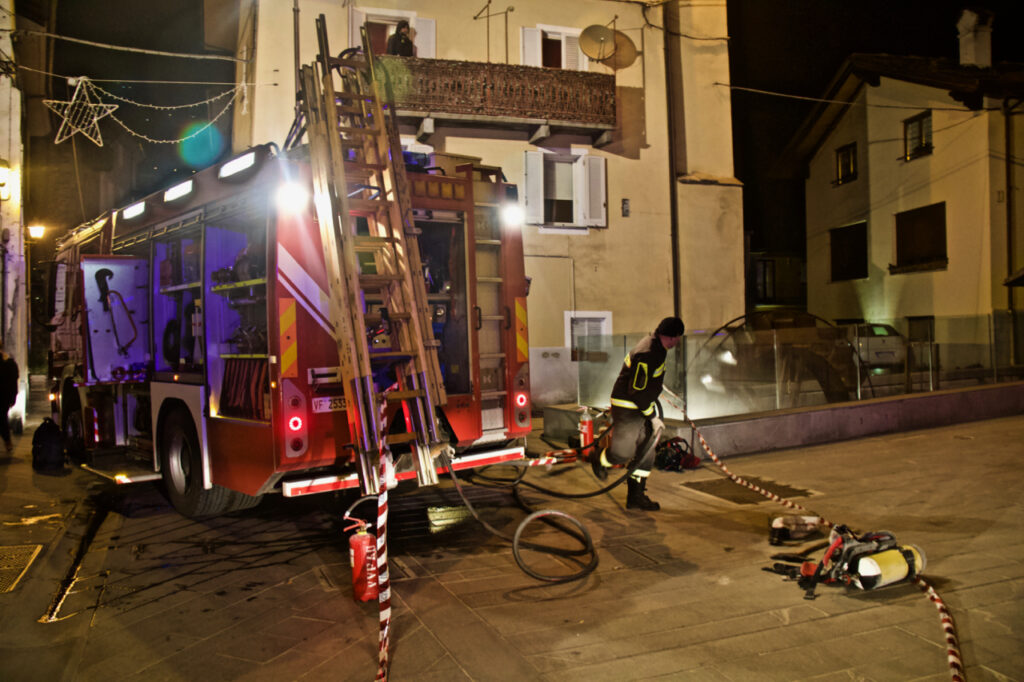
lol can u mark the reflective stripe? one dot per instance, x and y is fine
(661, 370)
(637, 385)
(649, 411)
(628, 362)
(640, 475)
(629, 405)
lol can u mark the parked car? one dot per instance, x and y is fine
(879, 345)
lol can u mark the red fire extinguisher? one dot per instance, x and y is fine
(362, 550)
(586, 432)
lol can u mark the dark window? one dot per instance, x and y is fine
(551, 51)
(846, 163)
(558, 191)
(764, 279)
(849, 252)
(379, 33)
(921, 239)
(917, 136)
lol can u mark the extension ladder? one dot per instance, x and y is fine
(378, 301)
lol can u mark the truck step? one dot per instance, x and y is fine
(123, 465)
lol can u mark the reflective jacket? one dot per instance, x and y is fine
(641, 377)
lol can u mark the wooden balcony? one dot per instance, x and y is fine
(431, 93)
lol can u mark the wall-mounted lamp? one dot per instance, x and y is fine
(5, 178)
(36, 231)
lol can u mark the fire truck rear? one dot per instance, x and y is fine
(194, 340)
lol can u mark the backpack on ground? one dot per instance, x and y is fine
(47, 447)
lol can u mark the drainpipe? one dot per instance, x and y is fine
(673, 83)
(1008, 156)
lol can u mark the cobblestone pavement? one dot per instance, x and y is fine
(124, 588)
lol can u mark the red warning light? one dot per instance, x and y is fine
(521, 400)
(295, 423)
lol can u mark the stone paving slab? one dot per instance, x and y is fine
(678, 595)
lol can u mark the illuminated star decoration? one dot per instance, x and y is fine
(81, 114)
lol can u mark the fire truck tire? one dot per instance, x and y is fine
(74, 431)
(182, 467)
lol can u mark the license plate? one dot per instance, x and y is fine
(336, 404)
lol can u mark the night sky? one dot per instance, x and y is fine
(797, 47)
(173, 27)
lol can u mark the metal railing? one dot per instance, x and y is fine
(740, 372)
(497, 90)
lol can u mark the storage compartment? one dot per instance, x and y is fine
(235, 266)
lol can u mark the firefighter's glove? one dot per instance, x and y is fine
(657, 426)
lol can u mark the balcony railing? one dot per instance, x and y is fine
(500, 93)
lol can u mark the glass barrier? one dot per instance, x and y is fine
(754, 367)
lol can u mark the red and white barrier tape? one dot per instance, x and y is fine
(747, 484)
(383, 578)
(953, 655)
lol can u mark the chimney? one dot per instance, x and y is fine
(975, 27)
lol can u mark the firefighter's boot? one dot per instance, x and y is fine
(636, 495)
(598, 467)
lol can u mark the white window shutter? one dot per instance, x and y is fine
(589, 194)
(529, 47)
(356, 19)
(572, 56)
(534, 188)
(426, 39)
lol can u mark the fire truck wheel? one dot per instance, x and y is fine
(74, 433)
(182, 466)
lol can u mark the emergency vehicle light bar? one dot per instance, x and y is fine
(133, 211)
(178, 191)
(237, 165)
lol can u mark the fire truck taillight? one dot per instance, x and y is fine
(294, 413)
(521, 397)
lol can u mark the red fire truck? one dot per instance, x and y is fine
(193, 339)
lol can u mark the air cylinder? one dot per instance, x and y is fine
(889, 566)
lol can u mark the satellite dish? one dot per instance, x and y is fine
(623, 54)
(597, 42)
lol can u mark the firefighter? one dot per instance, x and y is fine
(400, 43)
(634, 398)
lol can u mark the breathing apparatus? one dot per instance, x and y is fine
(868, 562)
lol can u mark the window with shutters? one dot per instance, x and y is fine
(565, 189)
(556, 47)
(586, 333)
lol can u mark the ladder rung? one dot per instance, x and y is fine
(372, 243)
(369, 204)
(493, 318)
(396, 438)
(348, 109)
(390, 355)
(399, 396)
(378, 281)
(353, 96)
(492, 356)
(493, 394)
(363, 169)
(489, 280)
(348, 130)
